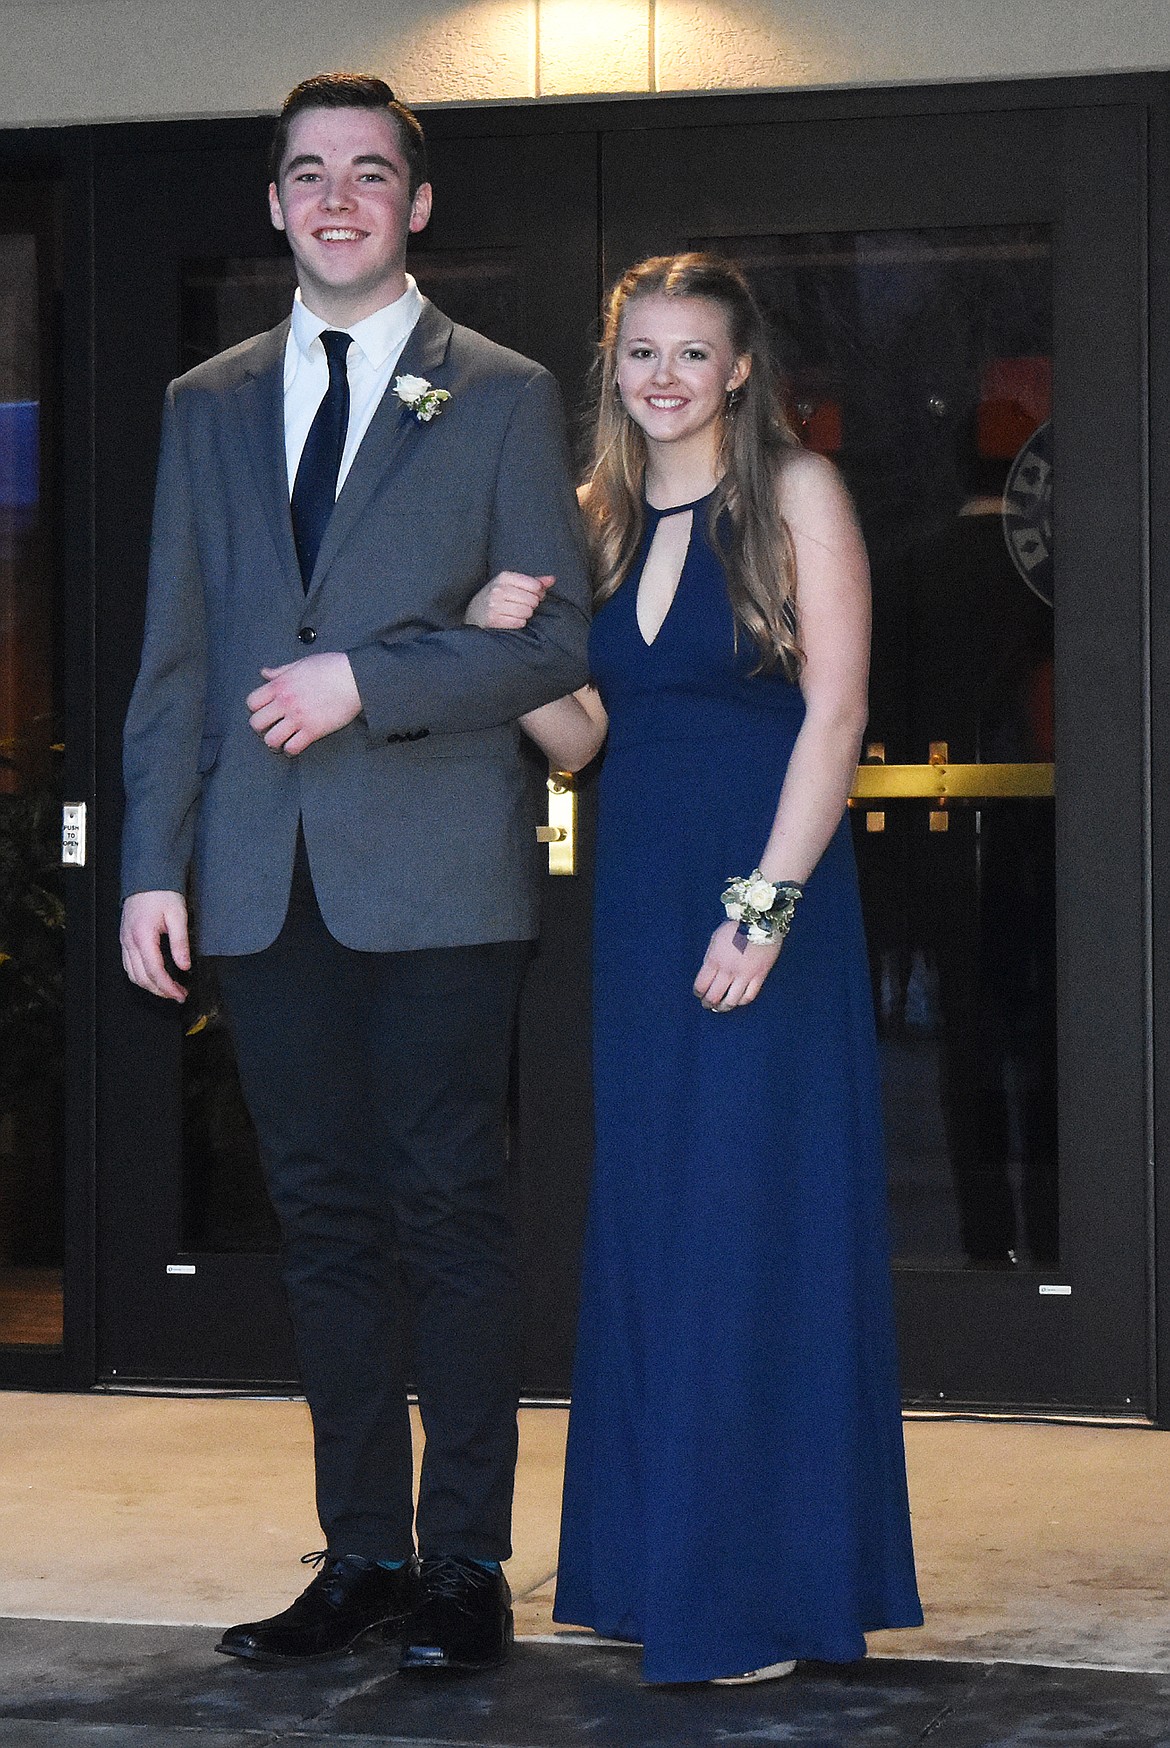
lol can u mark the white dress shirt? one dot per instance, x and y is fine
(378, 341)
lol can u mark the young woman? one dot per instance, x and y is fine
(735, 1493)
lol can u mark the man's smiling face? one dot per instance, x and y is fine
(345, 205)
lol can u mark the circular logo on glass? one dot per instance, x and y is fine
(1027, 512)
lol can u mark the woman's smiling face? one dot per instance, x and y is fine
(676, 365)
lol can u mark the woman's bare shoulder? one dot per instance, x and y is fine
(806, 481)
(813, 498)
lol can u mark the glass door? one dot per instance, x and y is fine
(32, 882)
(956, 333)
(958, 301)
(922, 360)
(188, 1261)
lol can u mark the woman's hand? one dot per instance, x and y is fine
(508, 602)
(733, 971)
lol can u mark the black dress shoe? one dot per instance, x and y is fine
(349, 1599)
(463, 1620)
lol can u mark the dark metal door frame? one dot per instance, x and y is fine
(170, 1312)
(1144, 672)
(971, 1339)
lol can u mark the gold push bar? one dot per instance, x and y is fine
(953, 782)
(938, 782)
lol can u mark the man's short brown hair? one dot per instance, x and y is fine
(351, 91)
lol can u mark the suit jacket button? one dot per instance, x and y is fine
(307, 634)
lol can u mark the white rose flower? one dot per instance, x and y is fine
(410, 388)
(756, 933)
(760, 894)
(734, 911)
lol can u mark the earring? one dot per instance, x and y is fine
(734, 396)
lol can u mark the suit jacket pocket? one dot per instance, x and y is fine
(209, 747)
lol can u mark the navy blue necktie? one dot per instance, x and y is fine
(315, 488)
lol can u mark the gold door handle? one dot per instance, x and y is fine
(560, 834)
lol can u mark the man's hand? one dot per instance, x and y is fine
(303, 701)
(733, 971)
(508, 602)
(146, 918)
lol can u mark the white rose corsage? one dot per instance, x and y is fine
(417, 395)
(764, 909)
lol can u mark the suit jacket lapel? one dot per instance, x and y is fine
(393, 429)
(259, 402)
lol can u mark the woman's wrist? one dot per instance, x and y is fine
(763, 909)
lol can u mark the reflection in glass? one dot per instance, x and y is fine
(921, 361)
(225, 1203)
(32, 912)
(226, 300)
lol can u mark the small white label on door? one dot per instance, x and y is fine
(73, 834)
(1054, 1290)
(180, 1268)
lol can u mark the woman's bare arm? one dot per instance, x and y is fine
(833, 608)
(833, 604)
(570, 730)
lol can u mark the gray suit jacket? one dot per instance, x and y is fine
(417, 817)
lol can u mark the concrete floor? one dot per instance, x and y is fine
(1036, 1543)
(82, 1685)
(134, 1526)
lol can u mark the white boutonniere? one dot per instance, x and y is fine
(416, 394)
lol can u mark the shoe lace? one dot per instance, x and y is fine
(330, 1570)
(453, 1579)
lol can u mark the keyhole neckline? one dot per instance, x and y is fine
(657, 517)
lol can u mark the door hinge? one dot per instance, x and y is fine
(73, 834)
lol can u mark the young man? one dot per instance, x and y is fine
(317, 733)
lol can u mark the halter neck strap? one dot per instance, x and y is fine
(676, 509)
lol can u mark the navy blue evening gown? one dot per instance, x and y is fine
(735, 1490)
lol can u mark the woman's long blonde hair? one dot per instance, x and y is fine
(753, 539)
